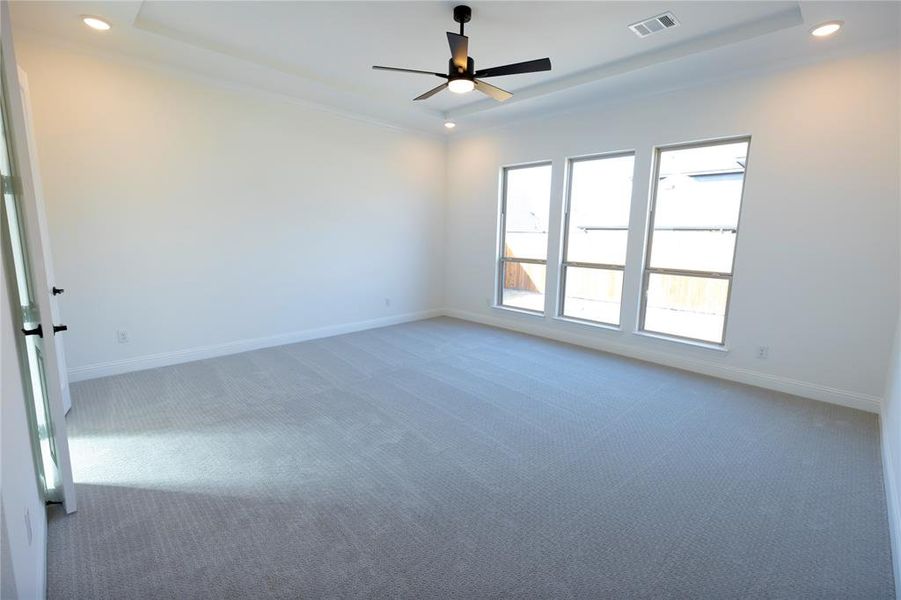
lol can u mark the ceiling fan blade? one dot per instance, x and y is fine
(495, 92)
(378, 68)
(431, 92)
(459, 47)
(530, 66)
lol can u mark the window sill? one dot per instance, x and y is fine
(522, 311)
(586, 323)
(684, 342)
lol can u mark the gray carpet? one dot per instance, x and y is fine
(443, 459)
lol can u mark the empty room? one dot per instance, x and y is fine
(498, 300)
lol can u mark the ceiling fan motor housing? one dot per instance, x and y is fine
(453, 72)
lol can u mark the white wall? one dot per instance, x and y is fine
(209, 220)
(891, 451)
(816, 276)
(891, 445)
(24, 552)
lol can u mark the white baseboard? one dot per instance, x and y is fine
(893, 502)
(688, 363)
(151, 361)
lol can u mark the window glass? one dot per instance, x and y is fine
(597, 233)
(524, 285)
(695, 226)
(696, 208)
(527, 201)
(599, 202)
(593, 294)
(525, 212)
(690, 307)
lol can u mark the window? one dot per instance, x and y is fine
(522, 266)
(691, 246)
(596, 232)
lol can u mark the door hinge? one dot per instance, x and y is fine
(38, 331)
(10, 184)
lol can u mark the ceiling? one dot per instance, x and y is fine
(322, 52)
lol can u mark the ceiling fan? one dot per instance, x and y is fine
(461, 74)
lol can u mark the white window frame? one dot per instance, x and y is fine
(647, 270)
(565, 263)
(502, 260)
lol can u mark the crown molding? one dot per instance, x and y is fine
(782, 20)
(187, 74)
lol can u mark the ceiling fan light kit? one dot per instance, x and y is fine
(461, 86)
(462, 76)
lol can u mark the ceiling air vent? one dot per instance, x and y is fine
(653, 25)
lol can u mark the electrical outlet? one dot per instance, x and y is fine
(387, 301)
(122, 336)
(763, 352)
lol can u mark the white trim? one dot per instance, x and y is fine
(520, 311)
(605, 100)
(778, 383)
(892, 504)
(589, 323)
(525, 323)
(766, 25)
(683, 341)
(227, 85)
(162, 359)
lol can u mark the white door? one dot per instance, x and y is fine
(21, 220)
(44, 234)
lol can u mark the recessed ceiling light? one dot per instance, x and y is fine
(826, 29)
(461, 86)
(450, 124)
(95, 23)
